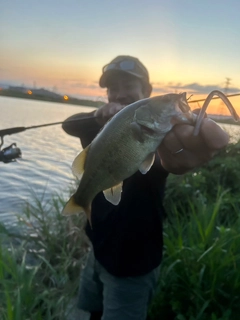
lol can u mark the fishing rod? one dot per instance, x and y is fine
(12, 152)
(13, 130)
(229, 95)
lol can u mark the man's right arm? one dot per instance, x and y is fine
(86, 128)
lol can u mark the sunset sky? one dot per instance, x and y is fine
(61, 45)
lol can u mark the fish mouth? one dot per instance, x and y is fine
(183, 111)
(183, 105)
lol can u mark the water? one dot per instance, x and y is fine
(233, 131)
(47, 154)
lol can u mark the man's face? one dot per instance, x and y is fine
(125, 89)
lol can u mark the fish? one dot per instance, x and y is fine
(127, 143)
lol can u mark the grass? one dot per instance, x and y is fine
(200, 270)
(199, 279)
(39, 276)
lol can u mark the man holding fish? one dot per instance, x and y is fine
(123, 170)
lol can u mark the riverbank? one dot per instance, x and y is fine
(199, 276)
(45, 95)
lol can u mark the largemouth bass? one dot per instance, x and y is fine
(126, 143)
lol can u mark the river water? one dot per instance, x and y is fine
(47, 154)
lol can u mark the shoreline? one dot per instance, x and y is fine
(57, 98)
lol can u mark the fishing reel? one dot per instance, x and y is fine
(10, 153)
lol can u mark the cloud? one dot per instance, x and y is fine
(84, 85)
(7, 83)
(191, 88)
(81, 89)
(75, 83)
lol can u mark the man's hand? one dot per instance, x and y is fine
(180, 151)
(107, 111)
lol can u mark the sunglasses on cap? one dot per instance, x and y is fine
(126, 65)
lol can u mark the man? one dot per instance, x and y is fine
(122, 270)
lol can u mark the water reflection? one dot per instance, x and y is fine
(47, 153)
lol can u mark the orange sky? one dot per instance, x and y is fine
(185, 47)
(216, 106)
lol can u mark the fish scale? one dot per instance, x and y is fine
(126, 144)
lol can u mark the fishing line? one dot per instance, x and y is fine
(13, 130)
(201, 114)
(199, 100)
(12, 152)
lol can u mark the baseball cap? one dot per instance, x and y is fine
(127, 64)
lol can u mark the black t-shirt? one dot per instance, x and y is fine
(127, 238)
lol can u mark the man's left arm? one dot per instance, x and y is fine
(181, 151)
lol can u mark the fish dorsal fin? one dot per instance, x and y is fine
(79, 163)
(147, 163)
(113, 194)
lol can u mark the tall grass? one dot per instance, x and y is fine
(39, 276)
(199, 279)
(200, 271)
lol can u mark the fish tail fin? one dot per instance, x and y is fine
(72, 207)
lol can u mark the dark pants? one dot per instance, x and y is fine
(115, 298)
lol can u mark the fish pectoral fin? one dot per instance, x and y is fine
(137, 131)
(79, 163)
(147, 163)
(72, 208)
(113, 194)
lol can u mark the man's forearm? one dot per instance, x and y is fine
(85, 129)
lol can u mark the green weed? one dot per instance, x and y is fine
(39, 273)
